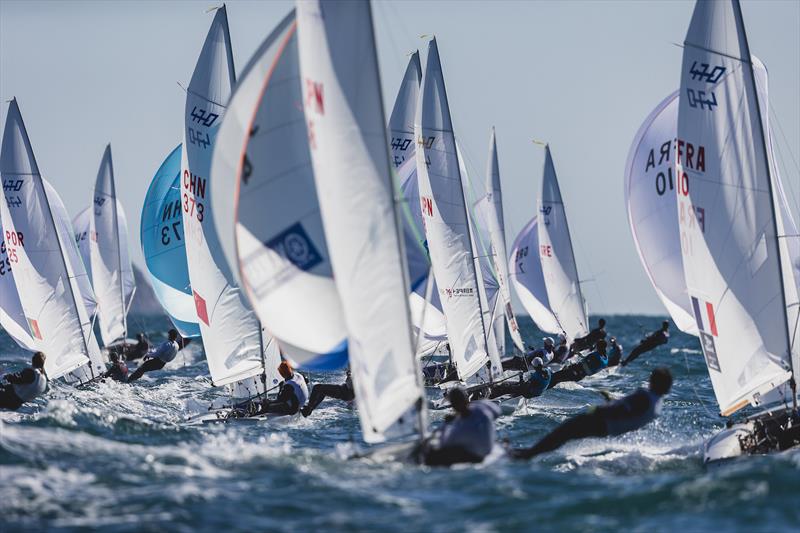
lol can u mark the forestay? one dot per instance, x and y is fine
(48, 292)
(403, 152)
(528, 280)
(497, 236)
(231, 333)
(112, 273)
(726, 212)
(446, 222)
(343, 108)
(557, 257)
(164, 245)
(281, 249)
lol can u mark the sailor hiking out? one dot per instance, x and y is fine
(292, 396)
(321, 391)
(156, 359)
(24, 386)
(523, 362)
(589, 365)
(588, 342)
(530, 385)
(651, 342)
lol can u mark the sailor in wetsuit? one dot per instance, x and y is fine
(589, 365)
(614, 352)
(655, 339)
(561, 352)
(529, 386)
(615, 418)
(588, 342)
(466, 437)
(292, 396)
(523, 362)
(321, 391)
(117, 370)
(24, 386)
(156, 359)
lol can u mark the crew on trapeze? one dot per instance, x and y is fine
(156, 359)
(588, 342)
(590, 364)
(530, 384)
(24, 386)
(651, 342)
(292, 395)
(615, 418)
(523, 362)
(615, 352)
(467, 436)
(321, 391)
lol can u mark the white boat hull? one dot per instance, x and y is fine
(725, 445)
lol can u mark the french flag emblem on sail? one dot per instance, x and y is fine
(35, 331)
(200, 305)
(704, 315)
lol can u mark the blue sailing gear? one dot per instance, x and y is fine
(166, 351)
(631, 412)
(473, 433)
(594, 363)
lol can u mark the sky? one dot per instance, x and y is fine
(580, 75)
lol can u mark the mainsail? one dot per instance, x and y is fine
(557, 257)
(231, 333)
(426, 317)
(47, 288)
(12, 316)
(528, 280)
(729, 226)
(343, 108)
(281, 250)
(164, 245)
(112, 273)
(446, 223)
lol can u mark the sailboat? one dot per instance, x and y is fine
(47, 270)
(101, 232)
(237, 350)
(343, 107)
(734, 244)
(448, 228)
(557, 257)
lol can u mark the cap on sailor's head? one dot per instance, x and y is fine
(548, 341)
(537, 362)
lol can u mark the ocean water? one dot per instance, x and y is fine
(118, 457)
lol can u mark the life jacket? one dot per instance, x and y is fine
(28, 391)
(617, 425)
(300, 388)
(594, 363)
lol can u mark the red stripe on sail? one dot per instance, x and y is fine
(712, 321)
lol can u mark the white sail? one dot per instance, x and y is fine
(48, 292)
(112, 273)
(446, 222)
(528, 279)
(726, 212)
(281, 250)
(557, 257)
(343, 108)
(652, 212)
(231, 333)
(426, 317)
(82, 224)
(497, 235)
(12, 317)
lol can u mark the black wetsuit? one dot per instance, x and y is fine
(321, 391)
(650, 342)
(287, 402)
(148, 366)
(532, 387)
(8, 397)
(588, 342)
(618, 417)
(614, 354)
(589, 365)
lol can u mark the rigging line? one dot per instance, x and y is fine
(696, 394)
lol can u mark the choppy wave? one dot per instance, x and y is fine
(120, 457)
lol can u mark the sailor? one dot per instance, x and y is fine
(655, 339)
(523, 362)
(468, 436)
(588, 342)
(321, 391)
(529, 386)
(117, 369)
(614, 352)
(615, 418)
(562, 352)
(24, 386)
(292, 396)
(587, 366)
(138, 350)
(156, 359)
